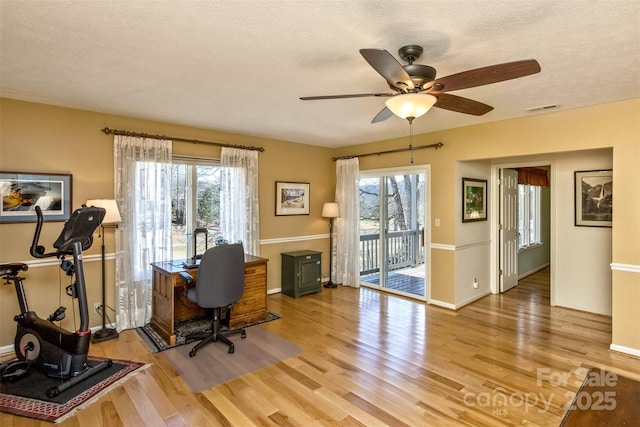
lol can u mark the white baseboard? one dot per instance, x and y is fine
(627, 350)
(535, 270)
(442, 304)
(5, 350)
(460, 304)
(472, 299)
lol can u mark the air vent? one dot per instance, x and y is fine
(542, 107)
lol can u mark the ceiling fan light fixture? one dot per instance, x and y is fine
(411, 105)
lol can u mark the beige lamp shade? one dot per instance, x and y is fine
(113, 214)
(330, 210)
(410, 104)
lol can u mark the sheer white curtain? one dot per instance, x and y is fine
(142, 190)
(347, 259)
(239, 210)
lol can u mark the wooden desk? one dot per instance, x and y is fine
(170, 305)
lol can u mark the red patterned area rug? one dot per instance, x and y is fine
(27, 396)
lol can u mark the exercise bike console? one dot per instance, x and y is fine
(39, 342)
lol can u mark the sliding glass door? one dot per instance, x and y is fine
(393, 207)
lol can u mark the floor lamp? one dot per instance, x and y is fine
(111, 220)
(330, 210)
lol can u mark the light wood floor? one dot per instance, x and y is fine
(372, 359)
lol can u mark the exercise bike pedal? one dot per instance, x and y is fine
(14, 370)
(57, 315)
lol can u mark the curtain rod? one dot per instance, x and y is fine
(398, 150)
(195, 141)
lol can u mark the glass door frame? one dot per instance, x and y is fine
(383, 269)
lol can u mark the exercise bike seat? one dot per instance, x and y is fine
(12, 269)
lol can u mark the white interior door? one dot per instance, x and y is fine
(508, 229)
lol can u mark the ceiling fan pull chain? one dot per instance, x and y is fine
(411, 137)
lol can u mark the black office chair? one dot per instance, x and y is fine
(220, 283)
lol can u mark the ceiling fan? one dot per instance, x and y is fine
(411, 82)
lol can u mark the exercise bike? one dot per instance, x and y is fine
(40, 343)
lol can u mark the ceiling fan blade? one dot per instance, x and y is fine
(461, 105)
(355, 95)
(486, 75)
(383, 115)
(388, 67)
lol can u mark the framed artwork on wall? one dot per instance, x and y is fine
(474, 200)
(594, 198)
(22, 192)
(292, 198)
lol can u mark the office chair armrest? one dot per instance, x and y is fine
(188, 279)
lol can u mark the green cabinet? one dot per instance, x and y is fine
(301, 273)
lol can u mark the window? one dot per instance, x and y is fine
(528, 216)
(195, 203)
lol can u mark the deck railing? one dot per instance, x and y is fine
(404, 249)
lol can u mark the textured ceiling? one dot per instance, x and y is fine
(240, 66)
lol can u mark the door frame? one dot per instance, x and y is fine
(414, 169)
(496, 165)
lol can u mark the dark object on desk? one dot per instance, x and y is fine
(220, 283)
(190, 263)
(195, 259)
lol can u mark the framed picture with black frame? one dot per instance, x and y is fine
(23, 191)
(474, 199)
(292, 198)
(594, 198)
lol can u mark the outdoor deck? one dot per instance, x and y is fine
(409, 280)
(405, 257)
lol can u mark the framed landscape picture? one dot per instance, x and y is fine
(474, 199)
(594, 198)
(292, 198)
(22, 192)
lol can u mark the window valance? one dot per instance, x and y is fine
(533, 176)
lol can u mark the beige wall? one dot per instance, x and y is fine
(44, 138)
(615, 126)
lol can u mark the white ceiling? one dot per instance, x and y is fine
(240, 66)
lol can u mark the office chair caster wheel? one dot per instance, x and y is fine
(192, 352)
(243, 335)
(231, 349)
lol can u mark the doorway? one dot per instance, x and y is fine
(523, 226)
(393, 233)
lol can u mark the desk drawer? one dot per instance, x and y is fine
(254, 270)
(249, 303)
(254, 282)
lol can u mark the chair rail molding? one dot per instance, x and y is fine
(293, 239)
(629, 268)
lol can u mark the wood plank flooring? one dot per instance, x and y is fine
(372, 359)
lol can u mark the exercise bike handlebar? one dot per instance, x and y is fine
(38, 251)
(79, 228)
